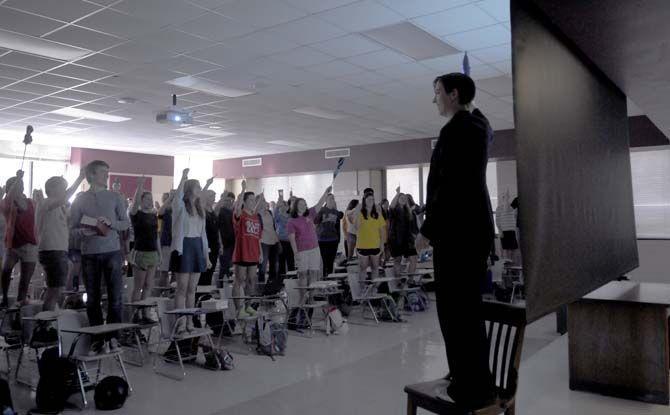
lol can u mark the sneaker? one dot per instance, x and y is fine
(251, 311)
(243, 313)
(97, 347)
(114, 345)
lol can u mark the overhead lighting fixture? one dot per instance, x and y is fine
(214, 127)
(317, 112)
(90, 115)
(411, 41)
(208, 87)
(126, 100)
(286, 143)
(40, 47)
(205, 131)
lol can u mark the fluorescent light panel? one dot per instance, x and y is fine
(90, 115)
(411, 41)
(317, 112)
(41, 47)
(205, 131)
(208, 87)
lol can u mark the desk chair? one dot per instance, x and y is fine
(505, 326)
(76, 347)
(37, 335)
(304, 308)
(362, 293)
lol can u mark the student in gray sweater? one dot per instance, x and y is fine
(99, 215)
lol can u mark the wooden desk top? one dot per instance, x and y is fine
(632, 292)
(101, 329)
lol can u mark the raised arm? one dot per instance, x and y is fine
(14, 191)
(237, 207)
(179, 193)
(394, 202)
(167, 203)
(260, 200)
(322, 200)
(209, 183)
(138, 196)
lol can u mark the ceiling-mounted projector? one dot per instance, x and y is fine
(175, 115)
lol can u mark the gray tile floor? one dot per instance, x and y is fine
(362, 372)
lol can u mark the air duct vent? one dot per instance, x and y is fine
(252, 162)
(337, 153)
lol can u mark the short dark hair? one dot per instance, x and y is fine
(53, 182)
(10, 182)
(92, 167)
(460, 82)
(230, 195)
(368, 191)
(352, 204)
(146, 193)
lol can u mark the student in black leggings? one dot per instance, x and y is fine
(328, 231)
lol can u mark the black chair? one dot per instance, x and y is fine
(505, 330)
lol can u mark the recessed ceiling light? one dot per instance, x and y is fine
(208, 87)
(317, 112)
(91, 115)
(215, 127)
(41, 47)
(126, 100)
(286, 143)
(205, 131)
(411, 41)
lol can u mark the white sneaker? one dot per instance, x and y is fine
(251, 311)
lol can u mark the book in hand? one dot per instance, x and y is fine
(93, 224)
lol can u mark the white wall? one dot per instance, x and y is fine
(654, 264)
(506, 178)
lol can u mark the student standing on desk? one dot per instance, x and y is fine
(457, 189)
(190, 247)
(52, 229)
(370, 242)
(99, 215)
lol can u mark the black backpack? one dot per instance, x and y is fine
(6, 404)
(57, 381)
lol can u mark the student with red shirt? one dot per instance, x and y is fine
(247, 253)
(20, 240)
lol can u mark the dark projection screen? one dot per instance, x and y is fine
(577, 221)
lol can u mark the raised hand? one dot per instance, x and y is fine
(209, 181)
(184, 173)
(329, 189)
(397, 189)
(244, 185)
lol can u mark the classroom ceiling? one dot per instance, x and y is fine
(306, 74)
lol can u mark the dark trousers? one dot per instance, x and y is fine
(206, 277)
(328, 252)
(459, 310)
(95, 268)
(271, 258)
(286, 260)
(226, 261)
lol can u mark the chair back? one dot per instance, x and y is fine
(505, 327)
(71, 319)
(293, 295)
(354, 286)
(166, 321)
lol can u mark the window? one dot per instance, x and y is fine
(651, 192)
(406, 178)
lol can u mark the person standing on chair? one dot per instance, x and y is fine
(456, 188)
(99, 215)
(227, 234)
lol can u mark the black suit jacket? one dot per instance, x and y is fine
(458, 207)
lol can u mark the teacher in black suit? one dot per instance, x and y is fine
(459, 226)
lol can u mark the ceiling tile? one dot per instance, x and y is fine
(260, 13)
(74, 95)
(493, 54)
(455, 20)
(32, 88)
(452, 63)
(56, 80)
(504, 66)
(312, 6)
(480, 38)
(303, 56)
(406, 70)
(174, 41)
(104, 62)
(347, 46)
(479, 72)
(414, 8)
(6, 81)
(15, 73)
(307, 30)
(499, 86)
(379, 59)
(365, 78)
(216, 27)
(25, 23)
(84, 38)
(23, 60)
(334, 69)
(16, 95)
(499, 9)
(118, 24)
(360, 16)
(160, 12)
(185, 65)
(65, 10)
(57, 102)
(139, 53)
(80, 72)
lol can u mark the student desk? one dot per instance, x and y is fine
(618, 341)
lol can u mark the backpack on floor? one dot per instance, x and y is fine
(388, 311)
(335, 322)
(416, 301)
(265, 342)
(57, 381)
(273, 286)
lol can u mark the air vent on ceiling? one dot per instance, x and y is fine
(433, 143)
(252, 162)
(337, 153)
